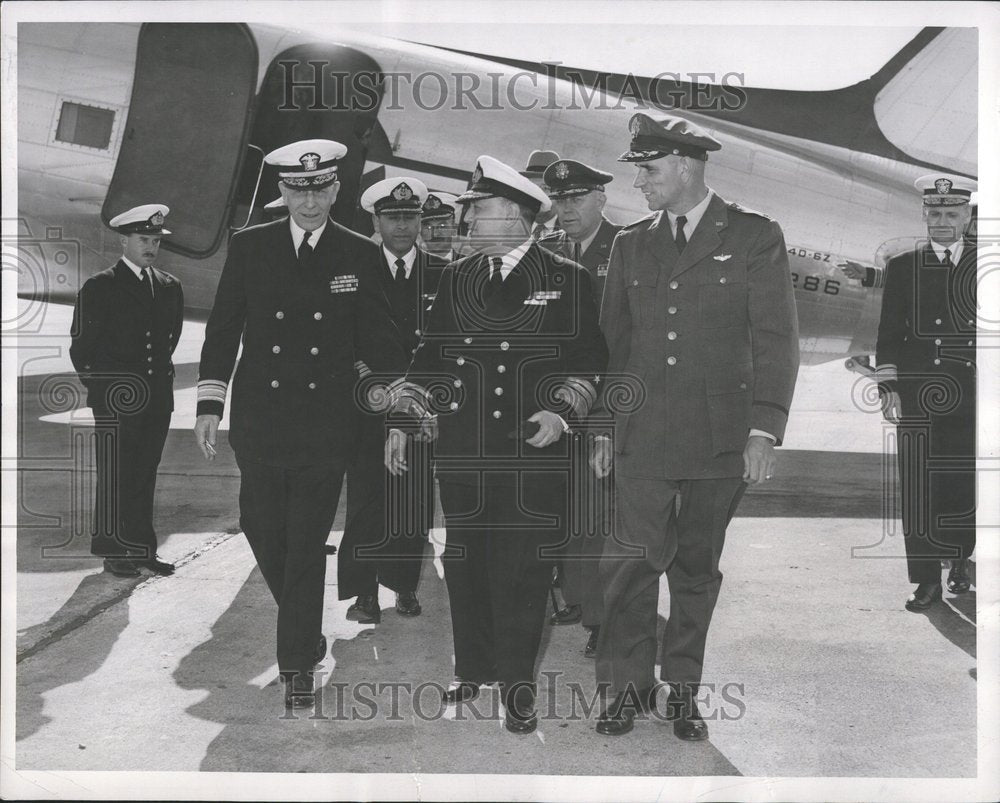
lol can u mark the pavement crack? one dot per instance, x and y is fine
(125, 591)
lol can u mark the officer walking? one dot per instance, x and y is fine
(699, 312)
(303, 295)
(585, 236)
(388, 522)
(126, 325)
(926, 358)
(508, 358)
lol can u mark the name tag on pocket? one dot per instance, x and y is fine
(348, 283)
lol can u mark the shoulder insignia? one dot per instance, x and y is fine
(735, 207)
(636, 223)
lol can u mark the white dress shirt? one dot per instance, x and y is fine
(955, 250)
(408, 259)
(510, 259)
(298, 233)
(693, 217)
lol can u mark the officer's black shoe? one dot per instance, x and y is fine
(520, 725)
(925, 595)
(320, 653)
(688, 722)
(365, 610)
(120, 567)
(569, 615)
(331, 549)
(157, 566)
(618, 718)
(591, 649)
(463, 691)
(407, 604)
(299, 691)
(958, 576)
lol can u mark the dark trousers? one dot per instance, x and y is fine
(497, 572)
(592, 518)
(937, 476)
(388, 517)
(127, 450)
(286, 514)
(653, 536)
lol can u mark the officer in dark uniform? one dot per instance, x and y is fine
(126, 325)
(509, 357)
(303, 294)
(544, 224)
(437, 225)
(388, 522)
(926, 358)
(700, 316)
(577, 193)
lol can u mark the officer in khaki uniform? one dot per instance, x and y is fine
(700, 320)
(303, 295)
(507, 360)
(126, 325)
(926, 358)
(585, 236)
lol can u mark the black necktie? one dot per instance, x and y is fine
(680, 240)
(305, 250)
(947, 258)
(496, 277)
(147, 280)
(538, 232)
(400, 276)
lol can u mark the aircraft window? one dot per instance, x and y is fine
(89, 126)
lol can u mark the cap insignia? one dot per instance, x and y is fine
(156, 219)
(309, 161)
(402, 192)
(562, 171)
(943, 186)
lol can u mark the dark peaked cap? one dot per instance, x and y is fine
(669, 136)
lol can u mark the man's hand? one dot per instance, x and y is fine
(206, 428)
(550, 429)
(758, 460)
(852, 270)
(395, 452)
(891, 409)
(602, 457)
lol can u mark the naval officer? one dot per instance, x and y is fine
(126, 325)
(437, 225)
(926, 367)
(302, 293)
(508, 359)
(585, 236)
(699, 312)
(388, 519)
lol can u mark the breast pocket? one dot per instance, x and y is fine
(722, 294)
(641, 290)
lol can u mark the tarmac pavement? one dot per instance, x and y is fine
(815, 667)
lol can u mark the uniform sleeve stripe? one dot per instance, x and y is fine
(772, 405)
(212, 390)
(361, 368)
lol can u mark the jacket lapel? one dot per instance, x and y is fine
(131, 285)
(660, 249)
(705, 238)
